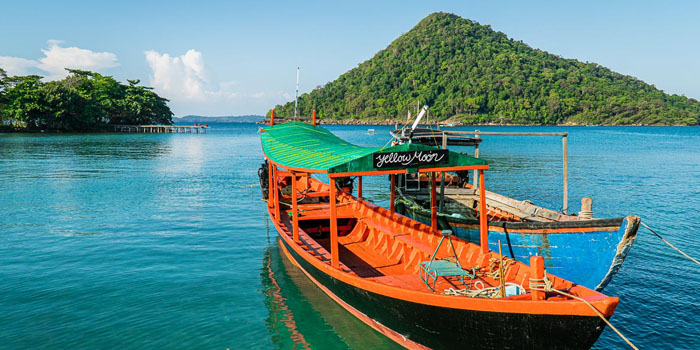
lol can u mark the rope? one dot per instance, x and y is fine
(493, 272)
(669, 243)
(545, 285)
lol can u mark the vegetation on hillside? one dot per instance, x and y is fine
(83, 101)
(469, 73)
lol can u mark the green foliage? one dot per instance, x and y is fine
(468, 72)
(83, 101)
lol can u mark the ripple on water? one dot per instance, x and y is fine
(158, 241)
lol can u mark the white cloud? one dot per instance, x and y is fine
(56, 59)
(185, 81)
(181, 77)
(16, 65)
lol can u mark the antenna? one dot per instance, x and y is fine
(296, 96)
(422, 113)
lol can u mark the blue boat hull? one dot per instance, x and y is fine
(587, 252)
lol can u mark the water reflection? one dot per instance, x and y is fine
(85, 146)
(301, 316)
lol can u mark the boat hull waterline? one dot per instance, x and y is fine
(421, 323)
(421, 326)
(394, 273)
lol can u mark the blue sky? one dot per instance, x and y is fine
(240, 57)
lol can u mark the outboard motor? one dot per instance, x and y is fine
(263, 176)
(345, 184)
(463, 176)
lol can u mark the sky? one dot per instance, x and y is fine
(221, 58)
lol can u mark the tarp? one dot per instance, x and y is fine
(315, 149)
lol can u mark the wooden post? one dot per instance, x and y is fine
(476, 155)
(313, 117)
(442, 176)
(334, 227)
(359, 187)
(565, 207)
(277, 195)
(433, 203)
(295, 211)
(537, 266)
(483, 223)
(270, 197)
(392, 196)
(272, 117)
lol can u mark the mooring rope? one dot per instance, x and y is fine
(545, 285)
(669, 243)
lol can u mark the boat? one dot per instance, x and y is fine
(420, 286)
(580, 247)
(587, 250)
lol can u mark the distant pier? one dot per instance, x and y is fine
(162, 129)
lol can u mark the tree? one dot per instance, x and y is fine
(83, 101)
(461, 68)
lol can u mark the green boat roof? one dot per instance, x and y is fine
(301, 146)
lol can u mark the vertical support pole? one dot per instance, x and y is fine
(442, 176)
(313, 117)
(295, 211)
(476, 155)
(334, 227)
(537, 266)
(392, 197)
(433, 203)
(270, 189)
(277, 195)
(359, 187)
(565, 207)
(272, 117)
(483, 223)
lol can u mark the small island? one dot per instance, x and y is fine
(470, 74)
(82, 102)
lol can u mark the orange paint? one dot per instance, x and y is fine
(433, 204)
(359, 187)
(334, 226)
(313, 117)
(483, 221)
(272, 117)
(537, 266)
(295, 209)
(392, 193)
(358, 237)
(277, 194)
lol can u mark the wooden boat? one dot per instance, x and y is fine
(418, 286)
(586, 250)
(579, 248)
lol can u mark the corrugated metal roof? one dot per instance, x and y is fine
(314, 148)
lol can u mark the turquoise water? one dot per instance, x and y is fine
(159, 241)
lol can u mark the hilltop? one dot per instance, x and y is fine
(468, 73)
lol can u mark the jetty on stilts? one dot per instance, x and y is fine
(162, 129)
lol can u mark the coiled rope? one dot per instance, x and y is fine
(669, 243)
(545, 285)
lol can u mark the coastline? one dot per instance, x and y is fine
(456, 124)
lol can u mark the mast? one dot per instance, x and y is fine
(296, 95)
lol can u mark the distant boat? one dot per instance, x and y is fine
(413, 283)
(586, 250)
(370, 131)
(582, 249)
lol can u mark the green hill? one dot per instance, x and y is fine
(469, 73)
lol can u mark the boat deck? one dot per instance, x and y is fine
(376, 245)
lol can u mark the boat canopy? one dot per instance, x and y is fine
(311, 148)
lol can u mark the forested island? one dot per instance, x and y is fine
(83, 101)
(470, 74)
